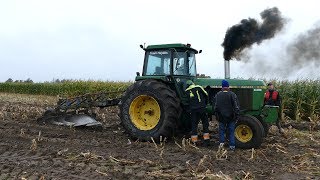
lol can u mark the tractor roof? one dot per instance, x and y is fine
(169, 46)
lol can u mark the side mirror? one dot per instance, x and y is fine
(200, 51)
(137, 73)
(141, 46)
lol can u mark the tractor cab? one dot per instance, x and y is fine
(172, 64)
(170, 60)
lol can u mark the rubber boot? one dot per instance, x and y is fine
(194, 139)
(206, 139)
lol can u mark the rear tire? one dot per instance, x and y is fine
(249, 132)
(149, 109)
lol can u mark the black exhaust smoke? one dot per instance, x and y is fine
(250, 31)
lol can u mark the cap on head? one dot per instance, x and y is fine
(189, 83)
(269, 84)
(225, 83)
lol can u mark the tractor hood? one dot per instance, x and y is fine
(250, 92)
(234, 83)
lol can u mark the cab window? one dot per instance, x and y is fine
(192, 64)
(184, 63)
(179, 63)
(158, 63)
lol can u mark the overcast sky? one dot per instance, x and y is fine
(99, 40)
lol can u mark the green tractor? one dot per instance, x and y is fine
(155, 105)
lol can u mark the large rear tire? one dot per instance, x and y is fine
(149, 108)
(249, 132)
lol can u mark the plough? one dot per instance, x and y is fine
(78, 111)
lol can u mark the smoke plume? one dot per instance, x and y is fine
(305, 49)
(250, 31)
(284, 57)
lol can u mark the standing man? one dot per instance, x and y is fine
(272, 98)
(198, 99)
(226, 107)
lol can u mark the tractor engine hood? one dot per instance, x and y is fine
(234, 83)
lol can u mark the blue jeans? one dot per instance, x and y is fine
(222, 131)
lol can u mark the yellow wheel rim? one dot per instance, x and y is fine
(144, 112)
(243, 133)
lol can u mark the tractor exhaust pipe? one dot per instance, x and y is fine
(227, 69)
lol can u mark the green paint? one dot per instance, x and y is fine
(258, 98)
(253, 113)
(234, 83)
(270, 113)
(258, 88)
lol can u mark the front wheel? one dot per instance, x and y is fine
(249, 132)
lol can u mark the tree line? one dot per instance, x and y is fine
(10, 80)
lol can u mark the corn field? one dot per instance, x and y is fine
(300, 98)
(70, 88)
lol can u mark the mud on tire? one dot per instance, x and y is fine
(167, 100)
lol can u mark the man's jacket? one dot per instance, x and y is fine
(198, 97)
(226, 106)
(272, 97)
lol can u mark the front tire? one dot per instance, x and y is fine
(249, 132)
(149, 109)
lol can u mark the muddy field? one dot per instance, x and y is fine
(32, 151)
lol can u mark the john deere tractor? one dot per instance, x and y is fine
(155, 105)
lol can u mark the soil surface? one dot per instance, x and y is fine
(32, 151)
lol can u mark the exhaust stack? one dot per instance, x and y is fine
(227, 69)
